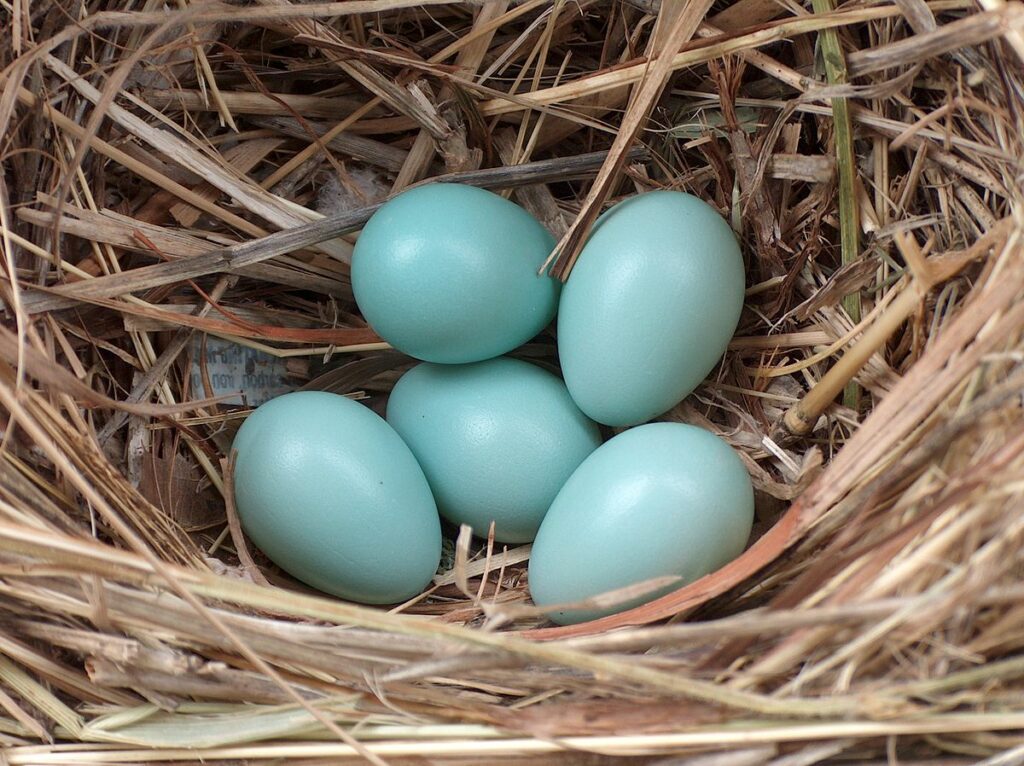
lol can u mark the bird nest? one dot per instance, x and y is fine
(180, 189)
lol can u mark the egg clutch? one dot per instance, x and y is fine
(350, 503)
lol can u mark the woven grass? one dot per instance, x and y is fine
(198, 170)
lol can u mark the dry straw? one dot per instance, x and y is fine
(174, 175)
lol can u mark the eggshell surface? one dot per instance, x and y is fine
(496, 440)
(663, 499)
(448, 273)
(649, 307)
(333, 496)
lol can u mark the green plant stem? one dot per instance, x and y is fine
(849, 222)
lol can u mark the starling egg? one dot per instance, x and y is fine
(332, 495)
(496, 439)
(650, 306)
(659, 500)
(448, 273)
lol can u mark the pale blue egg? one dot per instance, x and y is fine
(659, 500)
(496, 439)
(328, 491)
(650, 306)
(448, 273)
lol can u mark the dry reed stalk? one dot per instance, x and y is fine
(210, 188)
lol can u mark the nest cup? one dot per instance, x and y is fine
(179, 195)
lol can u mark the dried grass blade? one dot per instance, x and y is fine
(245, 254)
(46, 371)
(255, 199)
(687, 17)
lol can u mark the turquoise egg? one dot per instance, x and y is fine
(659, 500)
(650, 306)
(496, 439)
(448, 273)
(333, 496)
